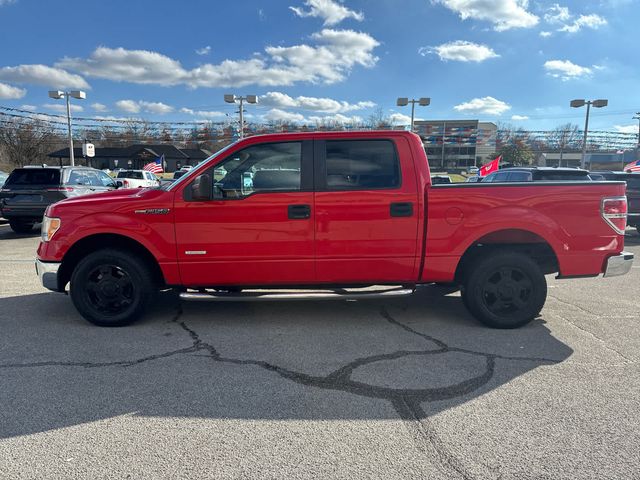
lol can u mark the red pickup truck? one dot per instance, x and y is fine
(330, 215)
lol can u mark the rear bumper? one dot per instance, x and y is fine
(48, 274)
(618, 264)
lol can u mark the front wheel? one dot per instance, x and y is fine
(505, 290)
(21, 225)
(111, 288)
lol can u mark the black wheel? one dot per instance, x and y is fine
(112, 288)
(505, 290)
(21, 225)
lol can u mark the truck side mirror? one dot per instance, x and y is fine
(119, 184)
(201, 188)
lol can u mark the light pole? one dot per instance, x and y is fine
(580, 103)
(637, 117)
(80, 95)
(404, 101)
(229, 98)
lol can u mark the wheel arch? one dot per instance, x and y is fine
(92, 243)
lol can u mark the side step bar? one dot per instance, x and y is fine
(267, 295)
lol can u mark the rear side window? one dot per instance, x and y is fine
(563, 176)
(130, 174)
(519, 177)
(361, 165)
(34, 176)
(497, 177)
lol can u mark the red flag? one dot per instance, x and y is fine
(490, 167)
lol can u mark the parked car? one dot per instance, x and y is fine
(474, 179)
(330, 210)
(178, 173)
(137, 179)
(538, 174)
(633, 194)
(28, 191)
(473, 170)
(440, 179)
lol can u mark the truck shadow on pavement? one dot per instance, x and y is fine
(408, 358)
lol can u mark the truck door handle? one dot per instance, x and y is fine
(299, 211)
(401, 209)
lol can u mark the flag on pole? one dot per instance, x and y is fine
(632, 167)
(155, 166)
(490, 167)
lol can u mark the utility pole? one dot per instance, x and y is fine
(637, 117)
(404, 101)
(58, 94)
(581, 103)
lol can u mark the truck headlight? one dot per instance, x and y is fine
(50, 226)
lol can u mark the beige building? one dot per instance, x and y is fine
(457, 144)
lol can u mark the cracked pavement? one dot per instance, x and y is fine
(408, 388)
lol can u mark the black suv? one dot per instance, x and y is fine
(538, 174)
(30, 190)
(633, 194)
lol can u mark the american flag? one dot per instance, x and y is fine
(155, 166)
(632, 167)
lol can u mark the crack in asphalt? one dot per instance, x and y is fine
(405, 401)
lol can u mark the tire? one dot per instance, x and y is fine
(112, 288)
(21, 225)
(504, 290)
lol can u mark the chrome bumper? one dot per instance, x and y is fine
(48, 274)
(619, 264)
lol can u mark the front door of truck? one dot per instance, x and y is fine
(367, 211)
(258, 228)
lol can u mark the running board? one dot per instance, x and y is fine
(266, 295)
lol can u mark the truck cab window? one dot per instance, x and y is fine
(362, 165)
(260, 168)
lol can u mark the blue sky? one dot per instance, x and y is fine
(511, 61)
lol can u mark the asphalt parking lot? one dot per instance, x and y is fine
(405, 388)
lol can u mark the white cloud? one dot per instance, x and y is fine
(545, 34)
(504, 14)
(519, 118)
(589, 21)
(565, 69)
(626, 128)
(6, 2)
(9, 92)
(400, 119)
(557, 14)
(62, 108)
(204, 50)
(31, 108)
(336, 118)
(277, 115)
(330, 11)
(133, 106)
(461, 51)
(333, 56)
(99, 107)
(328, 105)
(204, 113)
(486, 105)
(43, 75)
(562, 17)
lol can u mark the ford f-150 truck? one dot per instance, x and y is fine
(330, 215)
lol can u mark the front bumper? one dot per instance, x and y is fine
(618, 264)
(48, 274)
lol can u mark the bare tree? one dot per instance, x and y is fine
(564, 137)
(25, 142)
(378, 119)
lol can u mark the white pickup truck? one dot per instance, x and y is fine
(137, 179)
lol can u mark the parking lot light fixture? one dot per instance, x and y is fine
(580, 103)
(57, 95)
(230, 98)
(404, 101)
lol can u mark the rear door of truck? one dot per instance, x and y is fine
(366, 203)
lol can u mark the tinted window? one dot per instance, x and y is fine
(497, 177)
(362, 164)
(34, 176)
(633, 183)
(519, 177)
(551, 176)
(267, 167)
(136, 175)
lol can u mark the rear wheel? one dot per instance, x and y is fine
(112, 288)
(21, 225)
(505, 290)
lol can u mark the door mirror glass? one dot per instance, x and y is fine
(201, 188)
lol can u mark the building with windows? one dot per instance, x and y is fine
(457, 144)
